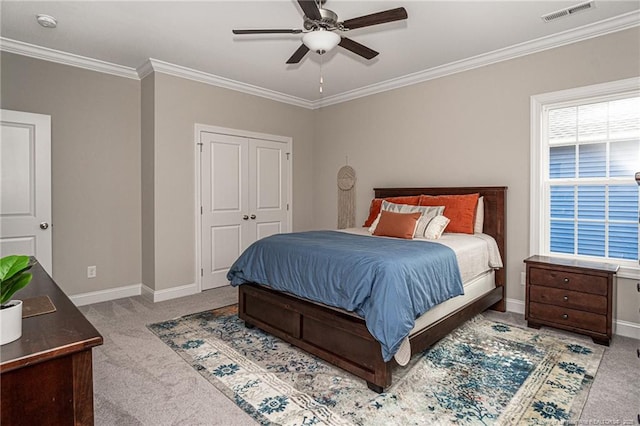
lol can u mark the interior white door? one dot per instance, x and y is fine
(244, 185)
(225, 204)
(25, 185)
(268, 187)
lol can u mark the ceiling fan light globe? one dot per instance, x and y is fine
(321, 41)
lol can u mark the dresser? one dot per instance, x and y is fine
(572, 295)
(46, 375)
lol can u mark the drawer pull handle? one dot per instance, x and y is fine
(566, 280)
(565, 298)
(565, 316)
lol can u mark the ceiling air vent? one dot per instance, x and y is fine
(568, 11)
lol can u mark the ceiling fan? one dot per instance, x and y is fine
(320, 25)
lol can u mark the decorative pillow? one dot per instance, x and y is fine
(436, 227)
(376, 204)
(478, 226)
(460, 209)
(399, 225)
(428, 213)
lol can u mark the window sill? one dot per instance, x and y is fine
(630, 272)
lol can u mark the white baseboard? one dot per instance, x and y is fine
(627, 329)
(620, 328)
(106, 295)
(169, 293)
(515, 305)
(133, 290)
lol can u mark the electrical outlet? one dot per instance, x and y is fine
(91, 271)
(523, 278)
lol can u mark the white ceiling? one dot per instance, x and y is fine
(197, 35)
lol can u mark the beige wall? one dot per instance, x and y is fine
(123, 153)
(180, 103)
(123, 166)
(470, 128)
(95, 147)
(147, 139)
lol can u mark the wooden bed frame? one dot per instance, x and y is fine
(342, 339)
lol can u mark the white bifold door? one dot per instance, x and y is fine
(244, 194)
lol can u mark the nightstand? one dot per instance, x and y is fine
(571, 295)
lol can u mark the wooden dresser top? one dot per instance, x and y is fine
(49, 335)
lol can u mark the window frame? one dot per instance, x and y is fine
(539, 197)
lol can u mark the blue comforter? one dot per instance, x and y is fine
(388, 282)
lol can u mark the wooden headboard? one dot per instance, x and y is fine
(494, 212)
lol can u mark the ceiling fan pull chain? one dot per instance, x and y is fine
(321, 79)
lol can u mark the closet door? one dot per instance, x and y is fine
(268, 183)
(244, 184)
(225, 204)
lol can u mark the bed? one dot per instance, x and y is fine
(343, 339)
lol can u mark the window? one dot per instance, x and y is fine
(585, 154)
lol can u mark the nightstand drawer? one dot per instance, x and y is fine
(569, 299)
(568, 317)
(568, 280)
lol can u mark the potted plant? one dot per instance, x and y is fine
(13, 277)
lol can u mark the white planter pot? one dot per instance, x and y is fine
(11, 322)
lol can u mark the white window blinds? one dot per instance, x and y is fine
(593, 152)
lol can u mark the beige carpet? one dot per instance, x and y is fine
(138, 380)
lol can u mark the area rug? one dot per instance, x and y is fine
(483, 373)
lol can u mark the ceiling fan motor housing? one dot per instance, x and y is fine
(329, 21)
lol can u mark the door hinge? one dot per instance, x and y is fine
(202, 272)
(287, 206)
(638, 286)
(288, 153)
(201, 211)
(200, 143)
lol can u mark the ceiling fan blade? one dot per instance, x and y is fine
(273, 31)
(376, 18)
(298, 54)
(358, 48)
(310, 9)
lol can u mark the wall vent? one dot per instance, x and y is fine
(569, 11)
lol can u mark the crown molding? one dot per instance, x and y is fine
(65, 58)
(145, 69)
(611, 25)
(226, 83)
(607, 26)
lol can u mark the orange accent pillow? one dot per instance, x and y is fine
(399, 225)
(460, 209)
(376, 205)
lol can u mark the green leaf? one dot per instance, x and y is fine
(12, 265)
(13, 285)
(13, 276)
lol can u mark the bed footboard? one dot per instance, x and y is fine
(340, 339)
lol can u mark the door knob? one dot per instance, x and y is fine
(44, 225)
(245, 217)
(253, 216)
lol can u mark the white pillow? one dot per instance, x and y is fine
(428, 213)
(436, 227)
(479, 223)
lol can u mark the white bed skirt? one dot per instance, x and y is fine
(473, 289)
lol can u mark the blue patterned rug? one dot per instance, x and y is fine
(483, 373)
